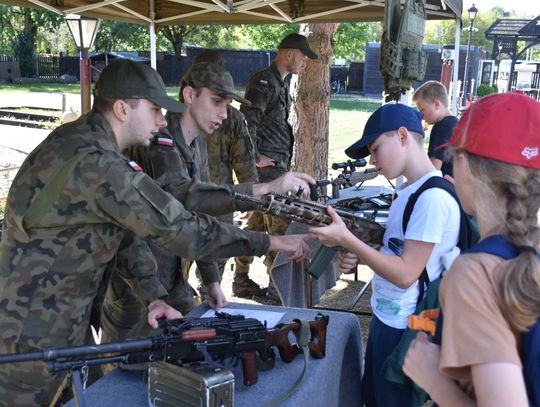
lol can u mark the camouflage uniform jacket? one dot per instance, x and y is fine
(268, 115)
(231, 148)
(52, 260)
(169, 157)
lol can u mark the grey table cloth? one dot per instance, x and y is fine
(331, 381)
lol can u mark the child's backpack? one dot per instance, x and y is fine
(468, 236)
(468, 232)
(530, 356)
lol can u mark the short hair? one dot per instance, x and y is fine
(104, 105)
(431, 91)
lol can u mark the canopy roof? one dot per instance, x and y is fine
(196, 12)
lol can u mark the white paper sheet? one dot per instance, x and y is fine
(272, 318)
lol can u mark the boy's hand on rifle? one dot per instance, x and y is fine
(215, 296)
(294, 244)
(335, 234)
(290, 182)
(159, 309)
(346, 261)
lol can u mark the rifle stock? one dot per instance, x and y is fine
(279, 338)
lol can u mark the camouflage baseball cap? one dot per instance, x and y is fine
(297, 41)
(126, 79)
(214, 77)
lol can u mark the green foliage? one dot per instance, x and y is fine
(350, 40)
(120, 36)
(266, 36)
(24, 50)
(484, 19)
(484, 90)
(20, 29)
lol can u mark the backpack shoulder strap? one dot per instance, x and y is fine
(496, 245)
(433, 182)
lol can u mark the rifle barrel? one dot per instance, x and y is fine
(78, 351)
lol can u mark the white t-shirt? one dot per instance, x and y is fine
(434, 219)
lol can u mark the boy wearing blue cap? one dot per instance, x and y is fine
(393, 136)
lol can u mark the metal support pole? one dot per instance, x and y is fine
(85, 80)
(465, 74)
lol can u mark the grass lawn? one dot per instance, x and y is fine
(347, 120)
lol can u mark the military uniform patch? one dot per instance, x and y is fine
(263, 82)
(164, 141)
(134, 165)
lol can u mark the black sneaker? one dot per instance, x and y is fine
(247, 288)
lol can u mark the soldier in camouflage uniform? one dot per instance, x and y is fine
(172, 156)
(268, 123)
(231, 148)
(67, 213)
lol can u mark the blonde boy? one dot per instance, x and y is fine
(432, 101)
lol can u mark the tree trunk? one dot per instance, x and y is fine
(312, 103)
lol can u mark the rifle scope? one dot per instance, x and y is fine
(349, 165)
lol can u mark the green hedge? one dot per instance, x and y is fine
(484, 90)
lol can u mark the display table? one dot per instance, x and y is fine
(290, 278)
(331, 381)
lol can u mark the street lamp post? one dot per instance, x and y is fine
(472, 15)
(84, 30)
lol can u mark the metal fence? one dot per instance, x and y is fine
(241, 64)
(47, 66)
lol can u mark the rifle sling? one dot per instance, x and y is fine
(302, 334)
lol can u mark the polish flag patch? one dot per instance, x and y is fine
(263, 82)
(135, 166)
(164, 141)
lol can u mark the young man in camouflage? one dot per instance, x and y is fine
(268, 123)
(230, 148)
(176, 156)
(68, 210)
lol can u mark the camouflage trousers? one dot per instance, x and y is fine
(27, 383)
(124, 316)
(228, 218)
(259, 222)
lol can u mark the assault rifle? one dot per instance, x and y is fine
(224, 337)
(313, 214)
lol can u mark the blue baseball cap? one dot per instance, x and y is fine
(386, 118)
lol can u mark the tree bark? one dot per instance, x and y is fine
(310, 116)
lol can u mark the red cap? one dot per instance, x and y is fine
(504, 127)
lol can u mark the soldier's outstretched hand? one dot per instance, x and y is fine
(159, 309)
(294, 245)
(296, 183)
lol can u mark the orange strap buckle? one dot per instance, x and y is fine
(425, 321)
